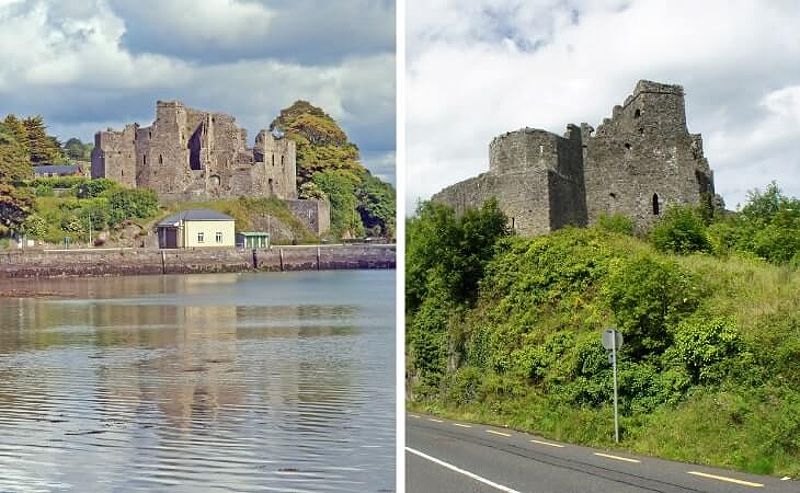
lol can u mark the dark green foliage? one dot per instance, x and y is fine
(455, 249)
(328, 165)
(341, 189)
(704, 345)
(648, 296)
(44, 149)
(131, 204)
(77, 150)
(616, 223)
(94, 188)
(15, 202)
(767, 226)
(682, 231)
(376, 205)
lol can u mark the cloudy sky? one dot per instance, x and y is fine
(477, 69)
(91, 64)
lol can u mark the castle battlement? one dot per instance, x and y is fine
(637, 163)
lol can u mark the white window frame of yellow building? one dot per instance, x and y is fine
(200, 238)
(219, 237)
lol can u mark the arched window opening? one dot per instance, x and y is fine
(637, 113)
(144, 159)
(160, 159)
(655, 204)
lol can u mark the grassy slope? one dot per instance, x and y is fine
(748, 426)
(242, 210)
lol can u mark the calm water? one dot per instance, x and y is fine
(230, 382)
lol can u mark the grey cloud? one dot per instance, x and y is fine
(302, 31)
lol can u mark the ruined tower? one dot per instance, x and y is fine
(190, 154)
(643, 159)
(638, 162)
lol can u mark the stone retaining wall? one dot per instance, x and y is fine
(140, 261)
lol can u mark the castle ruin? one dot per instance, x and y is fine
(188, 154)
(637, 163)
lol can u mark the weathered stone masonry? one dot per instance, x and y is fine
(187, 154)
(638, 162)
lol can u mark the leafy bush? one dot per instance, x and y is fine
(704, 344)
(648, 297)
(616, 223)
(94, 188)
(131, 204)
(682, 231)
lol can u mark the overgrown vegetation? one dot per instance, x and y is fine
(707, 306)
(79, 208)
(328, 166)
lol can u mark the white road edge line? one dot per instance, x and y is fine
(723, 478)
(547, 443)
(498, 433)
(616, 457)
(435, 420)
(414, 416)
(463, 426)
(468, 474)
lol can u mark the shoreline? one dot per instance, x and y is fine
(123, 262)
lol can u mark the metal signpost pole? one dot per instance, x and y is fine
(612, 341)
(616, 419)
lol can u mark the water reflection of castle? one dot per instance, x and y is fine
(181, 356)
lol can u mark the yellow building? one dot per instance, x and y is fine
(196, 228)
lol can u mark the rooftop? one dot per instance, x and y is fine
(194, 215)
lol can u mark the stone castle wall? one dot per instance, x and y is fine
(187, 154)
(638, 162)
(314, 214)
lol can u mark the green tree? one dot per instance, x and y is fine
(376, 204)
(450, 250)
(44, 149)
(15, 126)
(16, 202)
(768, 226)
(77, 150)
(321, 144)
(340, 189)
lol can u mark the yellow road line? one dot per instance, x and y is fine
(435, 420)
(498, 433)
(463, 426)
(723, 478)
(616, 457)
(547, 443)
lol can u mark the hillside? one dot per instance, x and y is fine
(328, 165)
(506, 330)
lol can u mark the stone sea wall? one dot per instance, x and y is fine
(141, 261)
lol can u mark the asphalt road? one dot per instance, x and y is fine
(445, 456)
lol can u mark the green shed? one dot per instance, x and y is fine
(252, 239)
